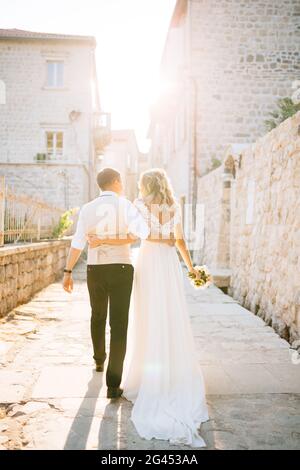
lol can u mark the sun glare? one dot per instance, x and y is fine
(130, 38)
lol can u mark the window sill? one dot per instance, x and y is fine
(53, 88)
(54, 160)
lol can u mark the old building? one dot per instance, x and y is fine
(224, 66)
(123, 154)
(51, 125)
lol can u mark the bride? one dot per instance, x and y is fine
(162, 375)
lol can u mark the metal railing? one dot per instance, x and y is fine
(23, 218)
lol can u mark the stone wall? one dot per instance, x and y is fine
(225, 65)
(244, 56)
(260, 239)
(265, 253)
(26, 269)
(213, 211)
(65, 187)
(32, 109)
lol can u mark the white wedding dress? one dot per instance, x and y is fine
(162, 376)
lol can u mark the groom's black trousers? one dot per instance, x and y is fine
(110, 284)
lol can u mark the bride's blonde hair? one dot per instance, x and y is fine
(156, 187)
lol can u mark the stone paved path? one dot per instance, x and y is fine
(50, 397)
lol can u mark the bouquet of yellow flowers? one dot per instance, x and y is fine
(204, 278)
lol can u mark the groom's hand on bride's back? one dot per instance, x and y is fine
(68, 283)
(93, 241)
(172, 240)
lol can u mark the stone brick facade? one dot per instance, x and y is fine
(32, 108)
(244, 55)
(252, 225)
(225, 64)
(123, 154)
(64, 186)
(26, 269)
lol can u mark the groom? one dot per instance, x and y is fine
(109, 270)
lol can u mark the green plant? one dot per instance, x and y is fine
(286, 109)
(215, 163)
(64, 224)
(41, 156)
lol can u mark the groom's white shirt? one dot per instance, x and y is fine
(109, 215)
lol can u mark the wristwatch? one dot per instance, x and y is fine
(68, 271)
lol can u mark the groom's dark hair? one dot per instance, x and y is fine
(106, 177)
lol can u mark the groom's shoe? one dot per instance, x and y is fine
(114, 392)
(99, 367)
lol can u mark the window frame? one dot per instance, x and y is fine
(56, 84)
(54, 155)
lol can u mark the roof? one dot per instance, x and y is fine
(16, 34)
(179, 12)
(124, 135)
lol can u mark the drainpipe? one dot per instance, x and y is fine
(194, 154)
(92, 159)
(193, 190)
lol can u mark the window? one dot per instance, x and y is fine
(2, 92)
(55, 144)
(55, 74)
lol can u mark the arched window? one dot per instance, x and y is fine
(2, 92)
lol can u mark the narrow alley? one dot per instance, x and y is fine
(51, 397)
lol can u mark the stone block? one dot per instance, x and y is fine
(2, 274)
(49, 259)
(29, 264)
(8, 271)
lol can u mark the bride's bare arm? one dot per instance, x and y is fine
(183, 249)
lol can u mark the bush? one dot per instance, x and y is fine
(286, 109)
(64, 224)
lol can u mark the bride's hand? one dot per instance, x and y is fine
(93, 241)
(195, 272)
